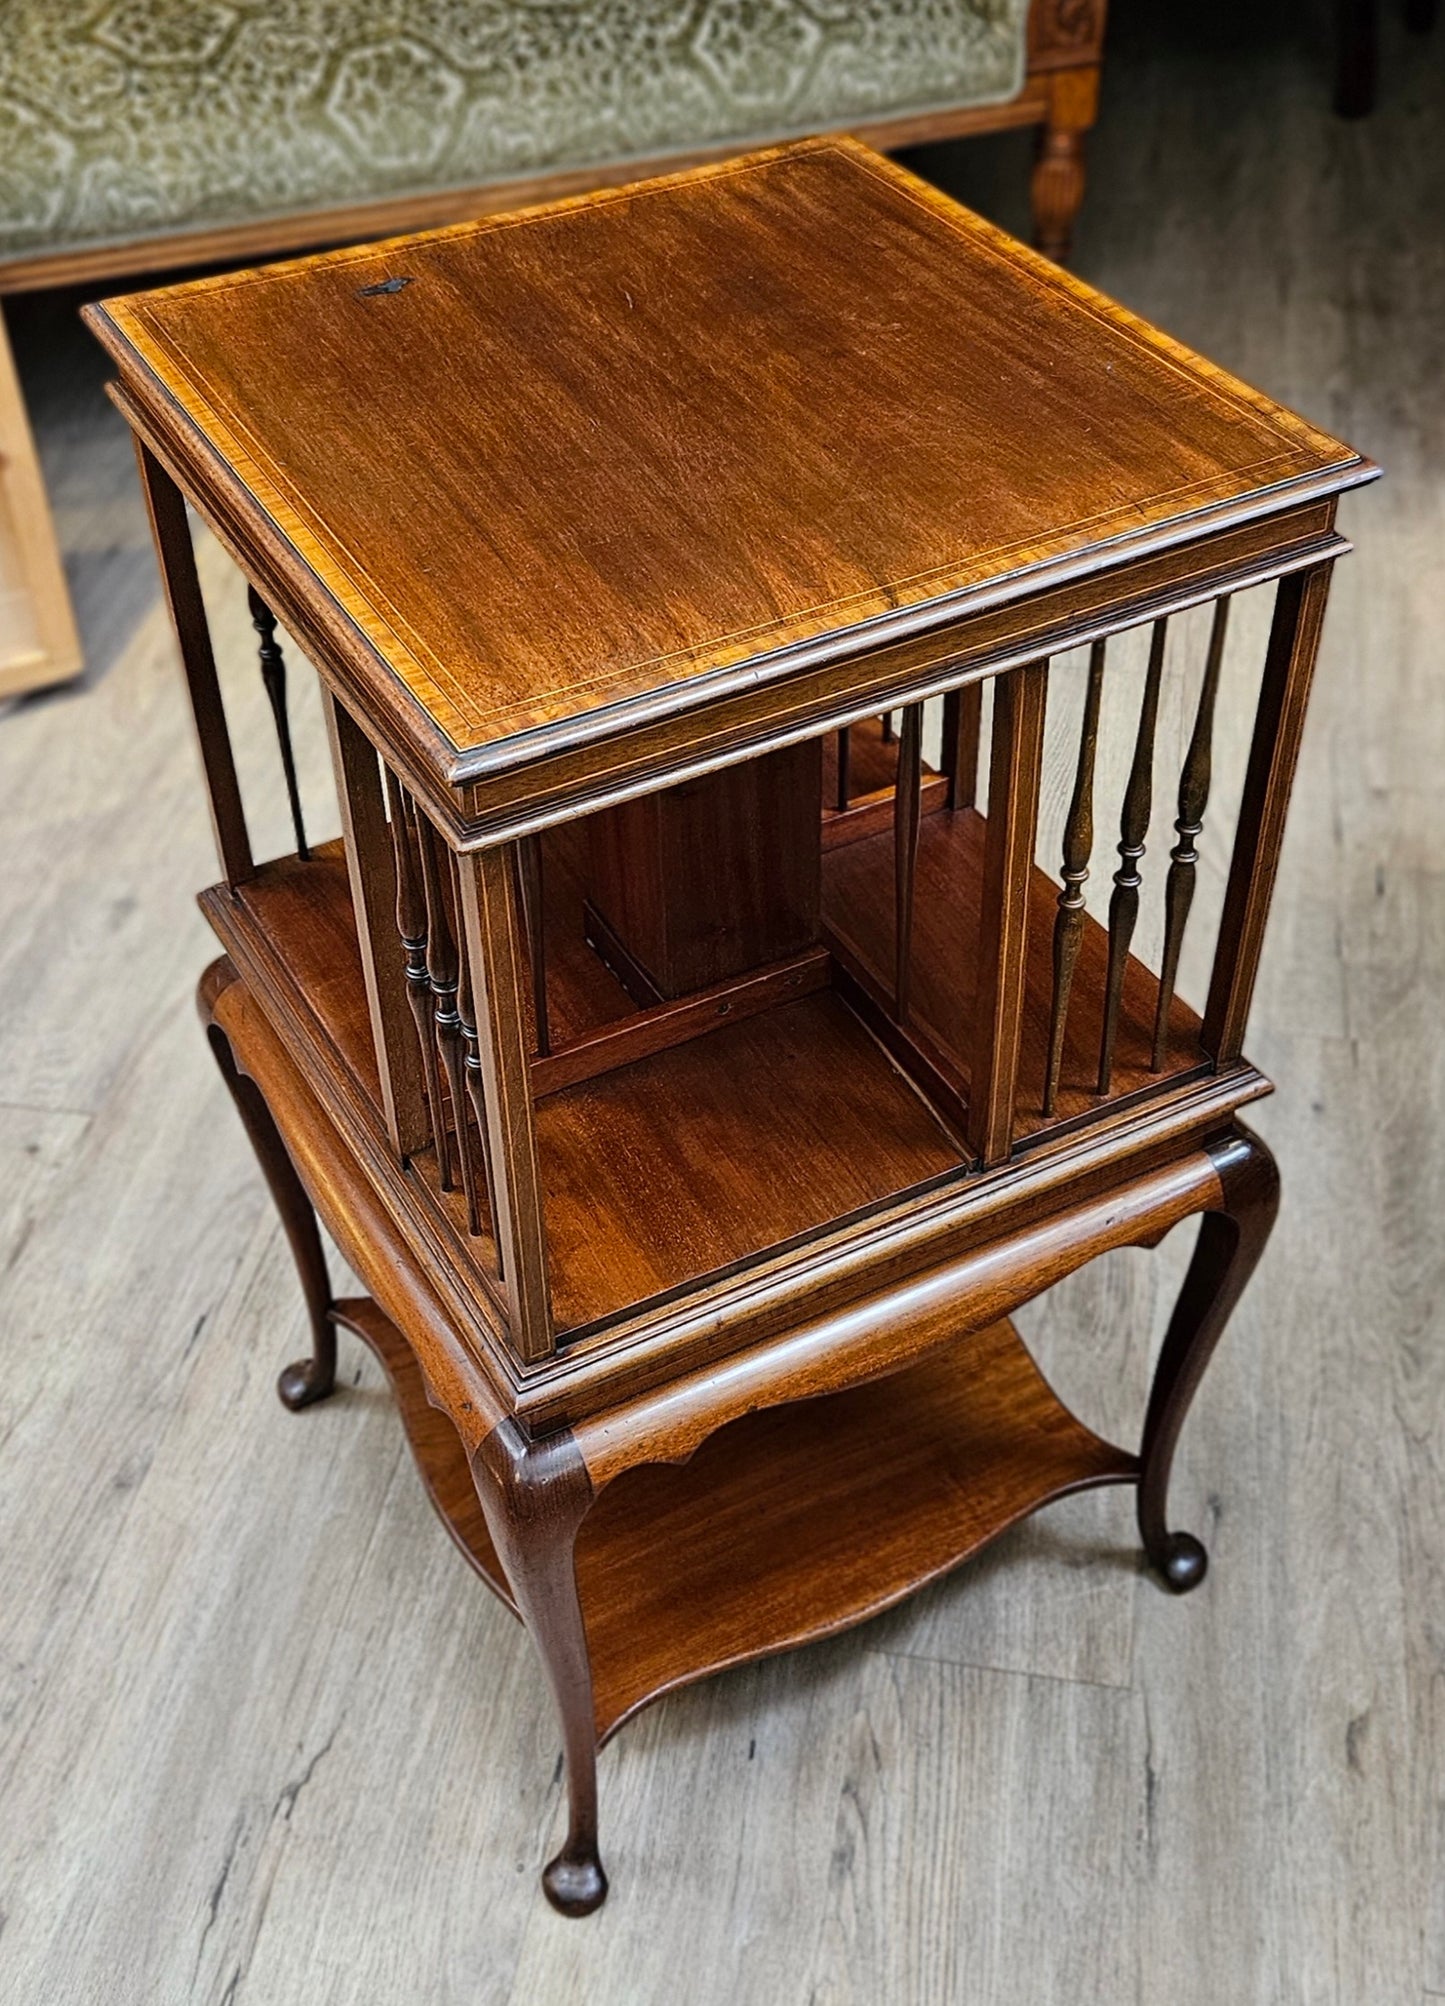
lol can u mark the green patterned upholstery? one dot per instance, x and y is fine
(122, 119)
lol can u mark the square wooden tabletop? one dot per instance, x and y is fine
(604, 449)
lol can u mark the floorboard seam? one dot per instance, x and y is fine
(999, 1671)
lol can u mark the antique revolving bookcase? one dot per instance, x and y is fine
(700, 1040)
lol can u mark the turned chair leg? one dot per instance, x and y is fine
(1056, 190)
(1230, 1243)
(308, 1379)
(534, 1497)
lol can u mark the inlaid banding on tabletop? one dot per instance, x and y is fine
(616, 523)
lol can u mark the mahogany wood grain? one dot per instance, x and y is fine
(492, 924)
(1015, 765)
(962, 732)
(166, 508)
(907, 808)
(293, 936)
(678, 1573)
(365, 1227)
(310, 1379)
(643, 403)
(1274, 750)
(803, 1520)
(1232, 1236)
(872, 775)
(706, 1154)
(675, 1023)
(765, 704)
(856, 884)
(708, 880)
(534, 1494)
(765, 451)
(371, 875)
(534, 911)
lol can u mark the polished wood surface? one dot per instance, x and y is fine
(708, 880)
(241, 1644)
(769, 1535)
(645, 415)
(38, 642)
(673, 1562)
(664, 1241)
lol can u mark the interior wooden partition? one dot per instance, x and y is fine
(481, 963)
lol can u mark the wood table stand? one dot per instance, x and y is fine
(697, 1065)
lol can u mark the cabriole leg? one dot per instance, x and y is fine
(1230, 1243)
(308, 1379)
(534, 1497)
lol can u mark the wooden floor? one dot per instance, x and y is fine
(264, 1739)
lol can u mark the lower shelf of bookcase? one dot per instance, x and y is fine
(791, 1523)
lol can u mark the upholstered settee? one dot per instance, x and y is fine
(141, 134)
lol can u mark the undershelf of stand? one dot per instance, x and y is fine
(813, 1120)
(789, 1524)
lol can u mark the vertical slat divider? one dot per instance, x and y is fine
(492, 923)
(1194, 779)
(444, 974)
(887, 723)
(1078, 848)
(906, 798)
(371, 867)
(529, 868)
(273, 677)
(845, 762)
(1015, 767)
(962, 730)
(411, 926)
(1133, 832)
(1299, 611)
(167, 511)
(471, 1062)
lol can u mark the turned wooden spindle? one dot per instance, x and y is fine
(443, 975)
(1188, 826)
(1133, 830)
(273, 675)
(529, 878)
(1078, 847)
(887, 724)
(411, 926)
(906, 798)
(845, 763)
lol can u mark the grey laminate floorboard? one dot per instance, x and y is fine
(262, 1738)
